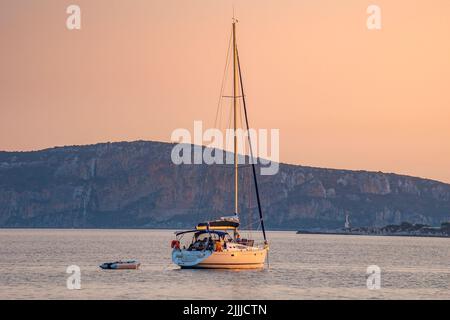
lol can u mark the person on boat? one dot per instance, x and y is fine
(202, 244)
(218, 246)
(210, 245)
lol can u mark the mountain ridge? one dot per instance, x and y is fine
(172, 143)
(134, 184)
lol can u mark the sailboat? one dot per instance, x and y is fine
(217, 244)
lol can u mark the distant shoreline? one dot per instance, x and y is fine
(304, 232)
(372, 234)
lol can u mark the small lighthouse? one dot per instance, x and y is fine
(347, 222)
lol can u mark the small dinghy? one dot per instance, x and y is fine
(130, 264)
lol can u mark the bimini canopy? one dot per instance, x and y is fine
(218, 225)
(197, 232)
(179, 233)
(221, 234)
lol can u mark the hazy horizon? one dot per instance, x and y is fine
(342, 96)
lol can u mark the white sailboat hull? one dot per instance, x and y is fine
(252, 258)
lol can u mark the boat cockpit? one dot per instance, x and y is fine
(205, 239)
(213, 240)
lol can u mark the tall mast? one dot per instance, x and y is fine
(251, 150)
(235, 94)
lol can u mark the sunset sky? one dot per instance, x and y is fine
(342, 96)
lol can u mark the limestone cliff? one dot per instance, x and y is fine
(135, 184)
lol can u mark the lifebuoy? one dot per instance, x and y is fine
(175, 244)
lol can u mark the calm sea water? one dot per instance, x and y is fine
(33, 266)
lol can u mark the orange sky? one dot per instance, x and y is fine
(341, 95)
